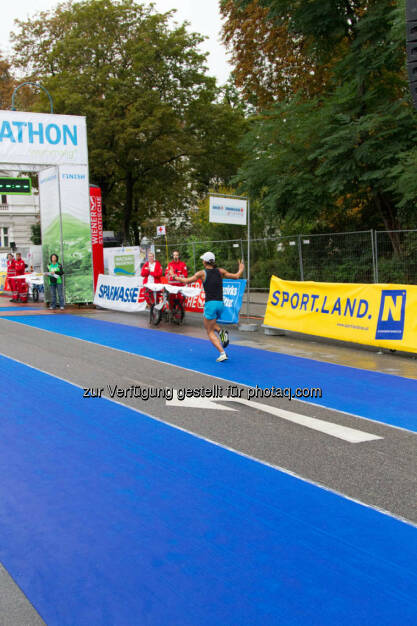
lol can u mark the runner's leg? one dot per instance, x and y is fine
(210, 326)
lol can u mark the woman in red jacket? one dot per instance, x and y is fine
(152, 273)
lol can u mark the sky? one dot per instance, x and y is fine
(203, 15)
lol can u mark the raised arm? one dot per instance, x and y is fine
(238, 274)
(190, 279)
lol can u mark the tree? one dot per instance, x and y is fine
(152, 116)
(344, 155)
(272, 60)
(36, 235)
(7, 83)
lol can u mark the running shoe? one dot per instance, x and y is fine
(224, 338)
(222, 357)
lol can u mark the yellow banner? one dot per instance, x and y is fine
(378, 315)
(2, 280)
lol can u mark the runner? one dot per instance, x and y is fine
(212, 278)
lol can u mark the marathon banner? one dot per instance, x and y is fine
(120, 293)
(381, 315)
(233, 291)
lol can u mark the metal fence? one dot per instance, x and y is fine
(361, 257)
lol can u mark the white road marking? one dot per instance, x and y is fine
(328, 428)
(197, 403)
(228, 380)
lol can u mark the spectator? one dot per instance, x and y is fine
(152, 273)
(55, 273)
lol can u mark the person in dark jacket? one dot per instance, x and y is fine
(55, 273)
(212, 279)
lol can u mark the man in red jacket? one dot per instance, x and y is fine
(152, 273)
(21, 284)
(179, 268)
(11, 273)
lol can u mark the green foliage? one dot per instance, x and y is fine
(345, 158)
(157, 133)
(35, 236)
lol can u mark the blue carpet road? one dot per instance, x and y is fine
(381, 397)
(109, 517)
(4, 309)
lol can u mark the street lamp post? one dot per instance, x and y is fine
(39, 86)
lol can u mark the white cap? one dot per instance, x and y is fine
(208, 257)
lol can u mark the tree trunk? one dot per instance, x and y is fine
(128, 210)
(388, 214)
(135, 221)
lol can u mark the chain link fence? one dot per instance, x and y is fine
(352, 257)
(396, 253)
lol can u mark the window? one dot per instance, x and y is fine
(3, 199)
(4, 236)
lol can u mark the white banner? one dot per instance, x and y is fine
(3, 262)
(188, 292)
(228, 210)
(119, 293)
(42, 138)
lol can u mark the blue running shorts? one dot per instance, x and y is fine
(213, 309)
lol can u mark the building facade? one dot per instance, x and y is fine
(17, 215)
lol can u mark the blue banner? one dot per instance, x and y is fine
(233, 291)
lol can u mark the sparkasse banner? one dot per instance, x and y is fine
(376, 314)
(120, 293)
(42, 139)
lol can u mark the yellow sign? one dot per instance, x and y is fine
(379, 315)
(2, 280)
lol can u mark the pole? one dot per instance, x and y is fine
(248, 259)
(166, 246)
(248, 272)
(300, 257)
(373, 256)
(194, 257)
(376, 257)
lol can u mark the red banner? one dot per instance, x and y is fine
(196, 304)
(96, 219)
